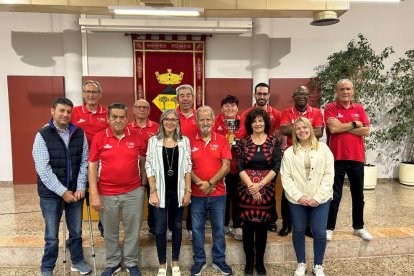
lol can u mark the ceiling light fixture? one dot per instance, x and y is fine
(151, 11)
(324, 18)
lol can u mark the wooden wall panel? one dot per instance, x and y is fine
(30, 99)
(216, 89)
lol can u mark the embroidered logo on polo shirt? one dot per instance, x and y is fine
(194, 149)
(102, 120)
(339, 115)
(81, 120)
(107, 146)
(130, 145)
(219, 128)
(213, 146)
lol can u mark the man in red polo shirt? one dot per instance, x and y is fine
(141, 124)
(211, 155)
(229, 110)
(91, 116)
(186, 112)
(118, 189)
(146, 128)
(347, 124)
(262, 95)
(300, 109)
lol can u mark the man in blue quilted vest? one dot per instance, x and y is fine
(60, 152)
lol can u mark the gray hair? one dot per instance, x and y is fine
(93, 82)
(344, 80)
(202, 108)
(161, 130)
(184, 86)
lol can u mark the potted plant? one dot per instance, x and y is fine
(400, 108)
(359, 63)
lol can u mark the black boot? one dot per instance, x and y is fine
(248, 269)
(260, 268)
(285, 231)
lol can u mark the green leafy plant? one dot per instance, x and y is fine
(361, 64)
(400, 108)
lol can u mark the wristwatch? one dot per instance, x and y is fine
(354, 124)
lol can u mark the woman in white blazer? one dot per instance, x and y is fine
(307, 174)
(168, 166)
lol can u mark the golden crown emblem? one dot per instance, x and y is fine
(169, 78)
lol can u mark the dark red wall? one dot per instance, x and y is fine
(30, 100)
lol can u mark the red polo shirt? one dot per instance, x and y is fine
(119, 166)
(147, 131)
(289, 116)
(275, 116)
(188, 125)
(345, 145)
(90, 122)
(207, 160)
(220, 127)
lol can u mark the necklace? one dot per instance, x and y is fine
(170, 172)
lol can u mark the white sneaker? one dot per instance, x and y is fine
(190, 234)
(175, 270)
(329, 234)
(169, 235)
(162, 272)
(363, 233)
(300, 269)
(238, 234)
(318, 270)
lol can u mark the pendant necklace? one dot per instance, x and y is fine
(170, 172)
(258, 148)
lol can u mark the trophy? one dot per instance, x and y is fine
(232, 125)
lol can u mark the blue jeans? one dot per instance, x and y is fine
(216, 205)
(355, 172)
(318, 218)
(161, 221)
(52, 213)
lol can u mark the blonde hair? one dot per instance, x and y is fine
(295, 140)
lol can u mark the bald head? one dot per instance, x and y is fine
(300, 97)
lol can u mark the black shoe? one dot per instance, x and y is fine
(285, 231)
(248, 269)
(272, 227)
(261, 270)
(308, 232)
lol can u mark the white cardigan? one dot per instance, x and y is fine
(154, 166)
(318, 184)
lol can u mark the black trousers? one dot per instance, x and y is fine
(232, 181)
(287, 219)
(254, 239)
(355, 172)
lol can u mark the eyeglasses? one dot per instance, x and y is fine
(141, 107)
(264, 95)
(301, 95)
(92, 92)
(171, 120)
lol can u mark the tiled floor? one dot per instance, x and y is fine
(389, 215)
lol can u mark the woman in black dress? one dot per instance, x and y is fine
(258, 162)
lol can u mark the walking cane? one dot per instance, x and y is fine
(64, 236)
(90, 231)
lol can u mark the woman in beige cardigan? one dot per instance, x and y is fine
(307, 174)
